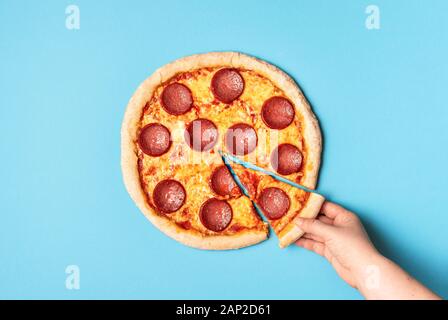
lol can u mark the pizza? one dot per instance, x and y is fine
(180, 120)
(279, 202)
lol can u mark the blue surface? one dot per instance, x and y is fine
(380, 96)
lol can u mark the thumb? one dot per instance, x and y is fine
(314, 226)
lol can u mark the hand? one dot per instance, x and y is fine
(338, 235)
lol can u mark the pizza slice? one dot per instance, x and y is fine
(279, 202)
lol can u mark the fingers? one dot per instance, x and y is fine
(325, 219)
(332, 210)
(315, 246)
(339, 215)
(313, 237)
(315, 227)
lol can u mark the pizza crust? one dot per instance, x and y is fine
(291, 232)
(129, 156)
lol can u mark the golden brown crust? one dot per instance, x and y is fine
(130, 128)
(292, 232)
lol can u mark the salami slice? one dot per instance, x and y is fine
(154, 139)
(241, 139)
(274, 203)
(201, 135)
(286, 159)
(277, 113)
(169, 196)
(216, 214)
(222, 182)
(227, 85)
(177, 99)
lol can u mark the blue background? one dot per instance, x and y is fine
(380, 96)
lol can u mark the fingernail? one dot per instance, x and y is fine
(299, 221)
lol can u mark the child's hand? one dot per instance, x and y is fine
(338, 235)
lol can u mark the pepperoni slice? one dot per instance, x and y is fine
(286, 159)
(201, 135)
(241, 139)
(177, 99)
(227, 85)
(216, 214)
(222, 182)
(274, 202)
(277, 113)
(169, 195)
(154, 139)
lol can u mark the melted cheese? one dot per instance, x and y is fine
(255, 182)
(193, 169)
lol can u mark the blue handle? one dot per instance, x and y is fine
(251, 166)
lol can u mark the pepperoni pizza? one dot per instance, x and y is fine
(183, 115)
(279, 202)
